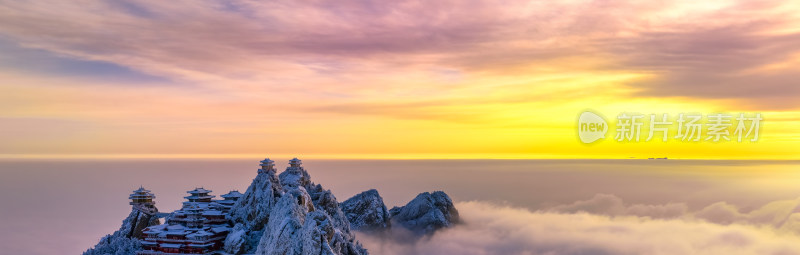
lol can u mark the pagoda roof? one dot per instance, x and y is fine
(132, 196)
(200, 233)
(232, 194)
(220, 229)
(198, 190)
(198, 197)
(177, 232)
(192, 206)
(212, 212)
(141, 190)
(172, 245)
(175, 227)
(226, 202)
(149, 243)
(156, 229)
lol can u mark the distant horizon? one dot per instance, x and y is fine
(365, 157)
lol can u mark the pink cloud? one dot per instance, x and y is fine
(692, 50)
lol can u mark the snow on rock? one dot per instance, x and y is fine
(289, 214)
(125, 241)
(254, 207)
(309, 220)
(113, 245)
(283, 234)
(426, 213)
(295, 177)
(326, 201)
(251, 212)
(366, 212)
(235, 241)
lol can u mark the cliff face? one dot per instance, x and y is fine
(424, 215)
(251, 212)
(125, 241)
(137, 221)
(427, 213)
(367, 212)
(289, 214)
(253, 208)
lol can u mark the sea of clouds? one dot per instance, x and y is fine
(605, 224)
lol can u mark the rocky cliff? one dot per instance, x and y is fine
(424, 215)
(367, 212)
(125, 241)
(427, 213)
(289, 214)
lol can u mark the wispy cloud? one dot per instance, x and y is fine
(711, 50)
(404, 60)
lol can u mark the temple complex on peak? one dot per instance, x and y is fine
(199, 227)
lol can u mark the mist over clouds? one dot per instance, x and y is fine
(781, 215)
(500, 229)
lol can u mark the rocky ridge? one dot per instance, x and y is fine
(287, 213)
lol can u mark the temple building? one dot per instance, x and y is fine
(228, 200)
(198, 195)
(200, 227)
(267, 165)
(142, 200)
(295, 163)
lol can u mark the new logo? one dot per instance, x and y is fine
(591, 127)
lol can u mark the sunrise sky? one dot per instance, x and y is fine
(388, 79)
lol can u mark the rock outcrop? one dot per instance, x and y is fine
(422, 216)
(125, 241)
(251, 212)
(427, 213)
(254, 207)
(367, 212)
(289, 214)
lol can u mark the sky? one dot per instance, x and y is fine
(396, 79)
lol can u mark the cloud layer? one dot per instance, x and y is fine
(493, 229)
(783, 215)
(719, 49)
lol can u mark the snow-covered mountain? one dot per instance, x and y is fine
(427, 213)
(424, 215)
(367, 212)
(290, 214)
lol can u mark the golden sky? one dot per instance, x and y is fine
(397, 79)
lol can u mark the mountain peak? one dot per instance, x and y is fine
(277, 214)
